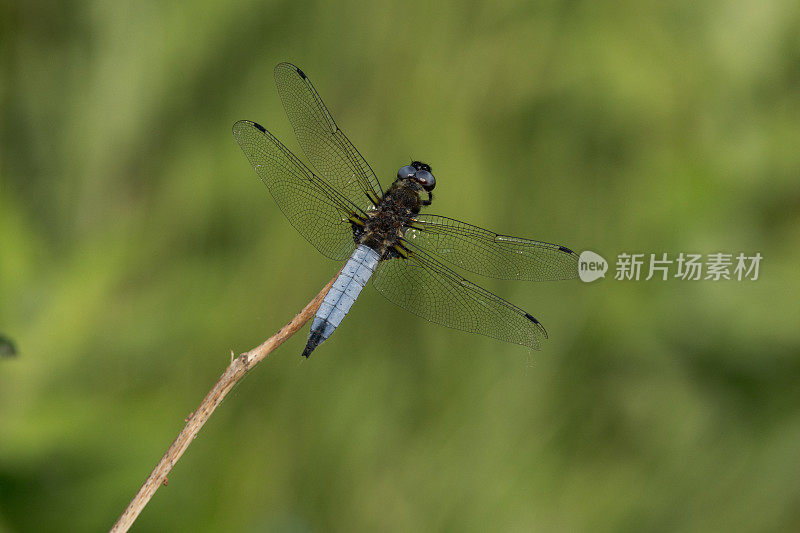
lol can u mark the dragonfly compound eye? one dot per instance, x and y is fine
(406, 172)
(426, 179)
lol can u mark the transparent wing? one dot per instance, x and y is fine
(312, 206)
(489, 254)
(331, 153)
(420, 284)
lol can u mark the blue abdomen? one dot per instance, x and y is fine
(342, 296)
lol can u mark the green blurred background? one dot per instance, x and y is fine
(138, 248)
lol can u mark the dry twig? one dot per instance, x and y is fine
(235, 372)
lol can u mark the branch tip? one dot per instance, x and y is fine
(196, 419)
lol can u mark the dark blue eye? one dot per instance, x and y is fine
(406, 172)
(426, 179)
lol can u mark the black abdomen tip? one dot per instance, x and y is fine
(259, 127)
(314, 340)
(310, 347)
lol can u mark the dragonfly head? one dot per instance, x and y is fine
(420, 173)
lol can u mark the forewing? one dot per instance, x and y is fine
(420, 284)
(331, 153)
(489, 254)
(312, 206)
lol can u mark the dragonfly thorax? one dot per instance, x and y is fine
(387, 224)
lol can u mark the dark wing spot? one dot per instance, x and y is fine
(259, 127)
(538, 324)
(302, 74)
(565, 250)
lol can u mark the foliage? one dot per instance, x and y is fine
(137, 248)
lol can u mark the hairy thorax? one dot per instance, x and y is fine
(388, 222)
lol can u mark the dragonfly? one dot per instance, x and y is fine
(411, 257)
